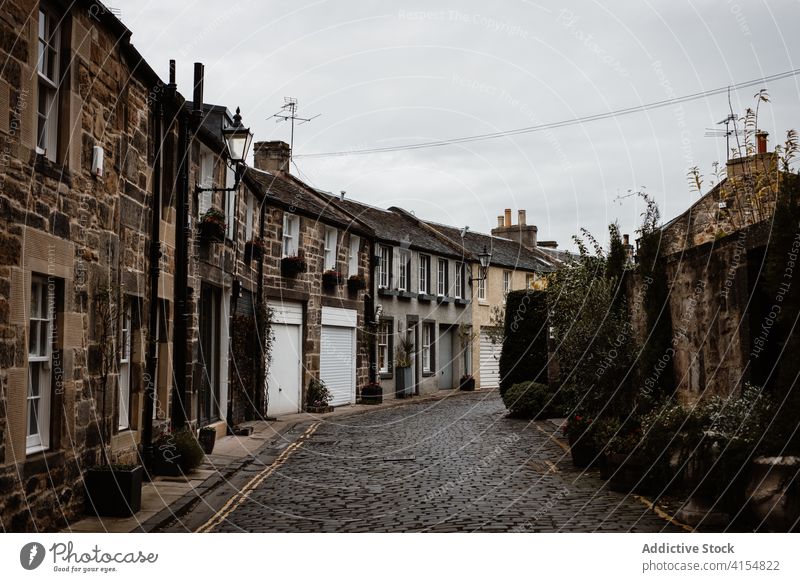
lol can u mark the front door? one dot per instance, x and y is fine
(210, 320)
(445, 359)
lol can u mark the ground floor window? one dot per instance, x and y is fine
(427, 347)
(40, 339)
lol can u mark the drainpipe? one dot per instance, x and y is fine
(369, 315)
(260, 404)
(152, 324)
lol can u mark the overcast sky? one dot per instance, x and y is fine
(394, 73)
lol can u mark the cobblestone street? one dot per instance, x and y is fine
(450, 465)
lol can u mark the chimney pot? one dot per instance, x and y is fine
(500, 221)
(761, 141)
(508, 217)
(521, 217)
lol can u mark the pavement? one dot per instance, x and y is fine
(225, 471)
(452, 463)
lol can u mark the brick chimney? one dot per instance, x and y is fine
(523, 233)
(272, 156)
(761, 142)
(762, 161)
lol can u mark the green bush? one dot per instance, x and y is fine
(531, 400)
(190, 451)
(524, 354)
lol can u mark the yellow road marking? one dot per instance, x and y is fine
(559, 442)
(663, 514)
(240, 497)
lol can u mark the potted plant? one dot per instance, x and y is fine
(466, 383)
(356, 283)
(318, 397)
(331, 279)
(372, 393)
(113, 490)
(403, 353)
(292, 266)
(176, 453)
(255, 249)
(578, 430)
(207, 437)
(212, 225)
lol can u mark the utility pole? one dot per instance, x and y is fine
(289, 113)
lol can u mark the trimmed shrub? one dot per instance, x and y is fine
(191, 453)
(530, 400)
(524, 354)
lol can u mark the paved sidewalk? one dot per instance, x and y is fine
(165, 499)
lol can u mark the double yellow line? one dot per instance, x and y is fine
(234, 502)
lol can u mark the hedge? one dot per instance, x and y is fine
(524, 354)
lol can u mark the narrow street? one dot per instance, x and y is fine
(450, 465)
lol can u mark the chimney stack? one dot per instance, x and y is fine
(272, 156)
(761, 141)
(523, 233)
(626, 239)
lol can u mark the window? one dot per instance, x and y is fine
(385, 347)
(206, 181)
(124, 367)
(482, 287)
(291, 228)
(48, 73)
(530, 281)
(506, 282)
(230, 202)
(427, 347)
(248, 219)
(329, 251)
(441, 280)
(352, 259)
(404, 273)
(459, 283)
(385, 269)
(39, 356)
(424, 274)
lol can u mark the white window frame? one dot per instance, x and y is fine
(290, 234)
(482, 287)
(352, 258)
(404, 270)
(424, 271)
(530, 280)
(329, 248)
(459, 281)
(205, 198)
(383, 347)
(230, 202)
(40, 353)
(441, 276)
(49, 43)
(385, 269)
(427, 340)
(248, 218)
(124, 381)
(506, 282)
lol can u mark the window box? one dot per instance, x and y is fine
(388, 292)
(356, 283)
(461, 302)
(442, 299)
(425, 297)
(292, 266)
(114, 490)
(406, 295)
(254, 249)
(372, 393)
(212, 226)
(332, 279)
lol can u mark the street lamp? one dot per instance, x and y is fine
(237, 142)
(484, 259)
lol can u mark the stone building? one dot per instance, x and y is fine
(76, 125)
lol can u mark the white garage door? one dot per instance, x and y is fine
(337, 367)
(490, 362)
(285, 377)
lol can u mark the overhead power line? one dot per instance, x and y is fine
(555, 124)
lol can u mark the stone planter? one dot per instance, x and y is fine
(773, 493)
(403, 383)
(113, 491)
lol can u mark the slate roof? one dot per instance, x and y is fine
(294, 195)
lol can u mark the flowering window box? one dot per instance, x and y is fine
(255, 249)
(331, 279)
(292, 266)
(212, 226)
(356, 283)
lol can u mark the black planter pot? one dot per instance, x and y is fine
(583, 454)
(467, 385)
(166, 461)
(207, 438)
(372, 394)
(113, 492)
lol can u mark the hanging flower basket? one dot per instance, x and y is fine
(356, 283)
(255, 249)
(212, 226)
(292, 266)
(332, 279)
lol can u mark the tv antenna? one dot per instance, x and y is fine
(732, 118)
(289, 113)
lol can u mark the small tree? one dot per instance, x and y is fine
(524, 354)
